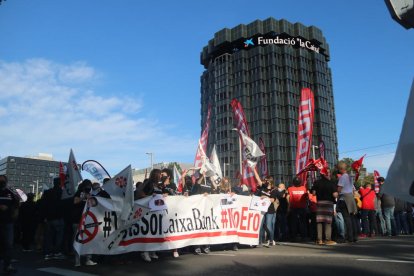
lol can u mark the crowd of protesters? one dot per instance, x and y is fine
(331, 211)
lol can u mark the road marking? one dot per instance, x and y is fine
(386, 261)
(221, 254)
(64, 272)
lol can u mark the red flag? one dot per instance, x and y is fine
(264, 171)
(310, 167)
(322, 166)
(305, 130)
(314, 166)
(356, 166)
(62, 175)
(376, 184)
(202, 145)
(248, 176)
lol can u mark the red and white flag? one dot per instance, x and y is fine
(305, 131)
(202, 143)
(178, 180)
(248, 176)
(264, 170)
(376, 184)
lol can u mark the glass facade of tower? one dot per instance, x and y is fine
(265, 64)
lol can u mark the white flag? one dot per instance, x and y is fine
(120, 188)
(252, 152)
(400, 178)
(218, 175)
(73, 177)
(176, 175)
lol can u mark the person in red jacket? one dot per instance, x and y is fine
(369, 223)
(298, 200)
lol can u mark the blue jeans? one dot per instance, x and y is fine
(6, 242)
(381, 221)
(270, 225)
(340, 225)
(54, 236)
(389, 220)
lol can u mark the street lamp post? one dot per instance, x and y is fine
(151, 154)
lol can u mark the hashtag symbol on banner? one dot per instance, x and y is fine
(107, 225)
(224, 219)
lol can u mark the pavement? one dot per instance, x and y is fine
(377, 256)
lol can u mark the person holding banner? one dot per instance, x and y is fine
(151, 186)
(267, 189)
(82, 194)
(197, 189)
(169, 189)
(225, 188)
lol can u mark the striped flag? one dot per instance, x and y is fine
(264, 170)
(202, 143)
(305, 131)
(248, 176)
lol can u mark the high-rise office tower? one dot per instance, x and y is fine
(265, 64)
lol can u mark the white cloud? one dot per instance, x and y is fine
(50, 107)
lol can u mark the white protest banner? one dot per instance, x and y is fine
(157, 203)
(202, 221)
(228, 201)
(260, 204)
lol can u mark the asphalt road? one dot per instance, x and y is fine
(379, 256)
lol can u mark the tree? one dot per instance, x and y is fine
(171, 166)
(369, 179)
(348, 161)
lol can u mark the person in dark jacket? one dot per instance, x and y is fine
(326, 192)
(28, 222)
(9, 202)
(281, 231)
(52, 212)
(82, 194)
(400, 216)
(388, 206)
(197, 189)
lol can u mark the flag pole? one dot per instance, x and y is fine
(240, 152)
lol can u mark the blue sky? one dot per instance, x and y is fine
(116, 79)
